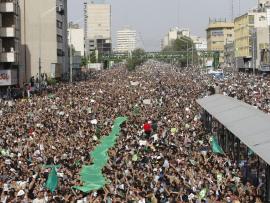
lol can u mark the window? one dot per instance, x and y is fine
(60, 52)
(59, 24)
(217, 33)
(59, 38)
(251, 19)
(262, 18)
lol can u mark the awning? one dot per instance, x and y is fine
(249, 124)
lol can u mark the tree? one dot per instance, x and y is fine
(84, 61)
(137, 58)
(93, 58)
(181, 45)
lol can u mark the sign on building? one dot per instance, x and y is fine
(8, 77)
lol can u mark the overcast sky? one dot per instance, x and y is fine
(153, 18)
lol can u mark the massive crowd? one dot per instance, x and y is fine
(172, 163)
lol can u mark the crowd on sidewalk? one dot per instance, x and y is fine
(162, 154)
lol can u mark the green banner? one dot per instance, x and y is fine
(52, 180)
(216, 148)
(92, 176)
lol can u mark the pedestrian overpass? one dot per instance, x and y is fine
(166, 55)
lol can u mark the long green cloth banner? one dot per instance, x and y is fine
(91, 175)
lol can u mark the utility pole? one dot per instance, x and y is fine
(39, 72)
(70, 57)
(192, 55)
(187, 55)
(253, 50)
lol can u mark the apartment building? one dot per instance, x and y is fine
(10, 72)
(173, 34)
(199, 42)
(97, 28)
(126, 40)
(219, 33)
(251, 36)
(44, 38)
(76, 38)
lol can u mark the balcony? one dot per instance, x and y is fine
(8, 57)
(7, 32)
(7, 7)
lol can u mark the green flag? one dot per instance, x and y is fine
(91, 175)
(51, 96)
(52, 180)
(216, 60)
(250, 152)
(216, 148)
(203, 193)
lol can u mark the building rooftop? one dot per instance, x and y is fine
(220, 24)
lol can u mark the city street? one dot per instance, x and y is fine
(171, 163)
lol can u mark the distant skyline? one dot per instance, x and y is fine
(152, 19)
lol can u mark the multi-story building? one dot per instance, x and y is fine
(200, 43)
(97, 28)
(44, 38)
(76, 38)
(10, 71)
(174, 34)
(219, 33)
(251, 36)
(126, 40)
(263, 3)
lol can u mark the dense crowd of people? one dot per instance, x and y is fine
(162, 154)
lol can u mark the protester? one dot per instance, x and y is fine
(173, 163)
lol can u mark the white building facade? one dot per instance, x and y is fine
(97, 27)
(44, 47)
(200, 43)
(76, 38)
(172, 35)
(126, 40)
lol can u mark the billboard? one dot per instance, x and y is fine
(8, 77)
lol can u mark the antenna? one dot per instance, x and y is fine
(178, 13)
(239, 7)
(232, 10)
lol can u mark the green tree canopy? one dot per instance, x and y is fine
(137, 58)
(183, 44)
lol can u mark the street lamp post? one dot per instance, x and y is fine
(70, 57)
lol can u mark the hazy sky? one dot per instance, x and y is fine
(153, 18)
